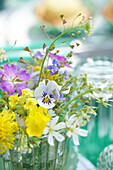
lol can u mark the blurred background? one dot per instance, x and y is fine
(20, 22)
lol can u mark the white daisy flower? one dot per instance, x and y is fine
(47, 95)
(52, 131)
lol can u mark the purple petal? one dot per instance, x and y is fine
(67, 65)
(39, 55)
(10, 70)
(8, 86)
(61, 58)
(20, 86)
(1, 73)
(22, 75)
(6, 77)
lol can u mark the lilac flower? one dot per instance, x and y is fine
(55, 67)
(12, 77)
(47, 95)
(61, 59)
(39, 55)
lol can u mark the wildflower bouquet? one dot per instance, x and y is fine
(42, 104)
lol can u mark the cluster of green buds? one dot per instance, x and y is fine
(3, 56)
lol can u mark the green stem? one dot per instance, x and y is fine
(79, 37)
(75, 98)
(75, 19)
(47, 35)
(65, 32)
(98, 107)
(9, 61)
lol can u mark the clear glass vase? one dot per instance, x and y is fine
(44, 157)
(99, 128)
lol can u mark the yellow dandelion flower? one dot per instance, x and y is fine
(8, 126)
(30, 103)
(13, 100)
(37, 121)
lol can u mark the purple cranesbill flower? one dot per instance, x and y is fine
(61, 59)
(53, 68)
(39, 55)
(13, 78)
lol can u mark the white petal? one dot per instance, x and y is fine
(57, 94)
(69, 134)
(46, 130)
(42, 83)
(54, 121)
(96, 94)
(52, 100)
(51, 112)
(75, 139)
(39, 91)
(51, 85)
(81, 132)
(60, 125)
(34, 74)
(31, 83)
(58, 136)
(70, 121)
(66, 117)
(50, 139)
(45, 105)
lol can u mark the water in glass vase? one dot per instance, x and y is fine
(44, 157)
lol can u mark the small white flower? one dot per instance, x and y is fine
(74, 130)
(70, 120)
(47, 95)
(104, 96)
(52, 131)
